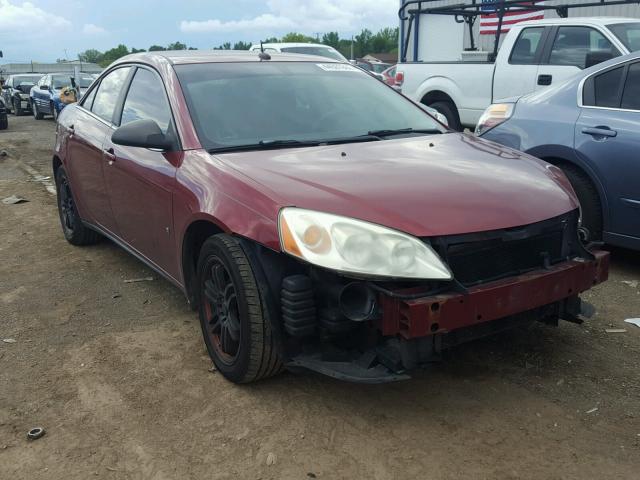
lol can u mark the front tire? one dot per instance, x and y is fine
(4, 123)
(590, 206)
(54, 112)
(237, 332)
(75, 232)
(36, 114)
(17, 108)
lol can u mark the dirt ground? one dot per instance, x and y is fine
(118, 376)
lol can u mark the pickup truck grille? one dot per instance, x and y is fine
(487, 256)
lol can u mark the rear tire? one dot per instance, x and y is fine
(36, 114)
(590, 206)
(236, 329)
(76, 232)
(449, 110)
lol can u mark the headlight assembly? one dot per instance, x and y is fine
(358, 247)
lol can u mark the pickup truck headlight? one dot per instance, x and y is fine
(493, 116)
(358, 247)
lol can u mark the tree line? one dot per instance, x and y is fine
(384, 41)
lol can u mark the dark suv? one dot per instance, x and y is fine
(15, 92)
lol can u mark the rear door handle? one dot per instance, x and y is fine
(110, 155)
(600, 132)
(545, 79)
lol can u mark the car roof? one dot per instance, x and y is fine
(183, 57)
(291, 44)
(597, 21)
(27, 74)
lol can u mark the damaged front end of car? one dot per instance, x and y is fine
(372, 329)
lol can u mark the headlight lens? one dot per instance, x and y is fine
(354, 246)
(493, 116)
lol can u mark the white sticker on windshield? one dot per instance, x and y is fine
(337, 67)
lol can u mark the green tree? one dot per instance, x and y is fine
(332, 39)
(386, 40)
(90, 56)
(137, 50)
(157, 48)
(177, 46)
(363, 43)
(242, 45)
(113, 55)
(294, 37)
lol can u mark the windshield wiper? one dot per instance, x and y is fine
(275, 144)
(265, 145)
(401, 131)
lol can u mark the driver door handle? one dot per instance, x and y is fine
(599, 131)
(110, 155)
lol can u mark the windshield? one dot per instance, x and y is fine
(321, 52)
(628, 34)
(61, 81)
(235, 104)
(30, 80)
(380, 67)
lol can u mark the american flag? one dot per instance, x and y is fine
(489, 20)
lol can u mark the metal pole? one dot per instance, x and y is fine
(496, 45)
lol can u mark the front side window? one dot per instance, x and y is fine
(577, 46)
(628, 34)
(245, 103)
(631, 95)
(526, 47)
(108, 92)
(147, 100)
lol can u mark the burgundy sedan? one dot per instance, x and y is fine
(316, 218)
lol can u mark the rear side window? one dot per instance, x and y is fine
(525, 49)
(607, 88)
(631, 95)
(604, 89)
(147, 100)
(108, 92)
(579, 46)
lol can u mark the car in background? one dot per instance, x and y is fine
(315, 217)
(389, 76)
(4, 121)
(15, 92)
(374, 68)
(589, 126)
(45, 95)
(301, 48)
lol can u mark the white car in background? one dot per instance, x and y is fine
(303, 48)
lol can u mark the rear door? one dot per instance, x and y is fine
(140, 181)
(607, 136)
(41, 96)
(92, 122)
(516, 72)
(573, 49)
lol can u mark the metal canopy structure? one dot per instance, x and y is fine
(468, 13)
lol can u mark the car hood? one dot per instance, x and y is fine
(426, 186)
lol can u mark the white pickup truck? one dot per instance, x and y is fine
(533, 55)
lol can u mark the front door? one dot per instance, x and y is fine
(140, 181)
(607, 136)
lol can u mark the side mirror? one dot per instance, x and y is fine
(44, 87)
(142, 134)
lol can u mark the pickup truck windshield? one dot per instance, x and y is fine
(628, 34)
(319, 51)
(236, 104)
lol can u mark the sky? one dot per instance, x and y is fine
(45, 30)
